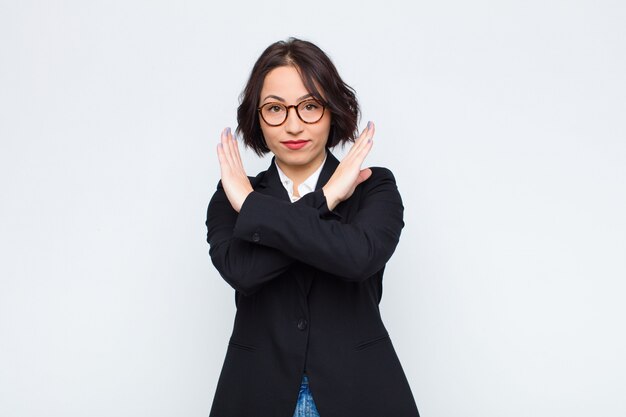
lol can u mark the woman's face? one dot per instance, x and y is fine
(298, 146)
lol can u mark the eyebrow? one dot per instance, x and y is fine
(283, 100)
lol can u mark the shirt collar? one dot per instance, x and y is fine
(307, 185)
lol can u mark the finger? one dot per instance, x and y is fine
(235, 151)
(362, 136)
(357, 154)
(229, 162)
(364, 132)
(369, 135)
(372, 131)
(225, 141)
(366, 135)
(222, 159)
(363, 175)
(362, 153)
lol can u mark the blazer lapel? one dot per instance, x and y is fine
(270, 184)
(327, 171)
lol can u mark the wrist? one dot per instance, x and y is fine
(331, 200)
(242, 199)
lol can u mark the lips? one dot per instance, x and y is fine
(295, 144)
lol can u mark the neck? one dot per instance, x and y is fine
(299, 173)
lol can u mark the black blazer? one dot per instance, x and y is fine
(308, 283)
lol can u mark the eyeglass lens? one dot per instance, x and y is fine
(310, 111)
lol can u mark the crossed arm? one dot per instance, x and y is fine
(339, 188)
(255, 237)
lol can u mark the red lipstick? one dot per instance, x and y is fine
(295, 144)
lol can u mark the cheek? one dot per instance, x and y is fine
(264, 134)
(324, 130)
(271, 136)
(267, 133)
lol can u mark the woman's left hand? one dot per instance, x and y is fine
(234, 179)
(349, 174)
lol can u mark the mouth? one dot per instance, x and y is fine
(295, 144)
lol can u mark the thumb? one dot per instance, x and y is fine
(363, 175)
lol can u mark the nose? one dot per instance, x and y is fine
(293, 124)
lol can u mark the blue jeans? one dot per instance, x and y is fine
(305, 406)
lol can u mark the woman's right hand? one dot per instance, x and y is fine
(234, 179)
(349, 173)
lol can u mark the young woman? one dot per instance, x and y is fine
(304, 244)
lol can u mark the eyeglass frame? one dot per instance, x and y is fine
(287, 108)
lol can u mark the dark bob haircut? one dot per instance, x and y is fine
(315, 67)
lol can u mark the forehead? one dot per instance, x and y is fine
(284, 82)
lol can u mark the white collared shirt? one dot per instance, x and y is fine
(306, 187)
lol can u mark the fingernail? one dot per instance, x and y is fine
(369, 125)
(228, 130)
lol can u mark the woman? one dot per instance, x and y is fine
(304, 244)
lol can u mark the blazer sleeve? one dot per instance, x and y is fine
(244, 265)
(309, 232)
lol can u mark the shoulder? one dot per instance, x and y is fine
(380, 185)
(382, 173)
(380, 176)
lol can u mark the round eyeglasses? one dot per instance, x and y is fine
(275, 114)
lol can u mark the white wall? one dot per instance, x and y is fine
(503, 122)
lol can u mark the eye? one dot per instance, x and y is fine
(310, 105)
(275, 108)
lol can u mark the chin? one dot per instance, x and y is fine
(296, 161)
(299, 158)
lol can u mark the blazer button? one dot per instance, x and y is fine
(302, 324)
(256, 237)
